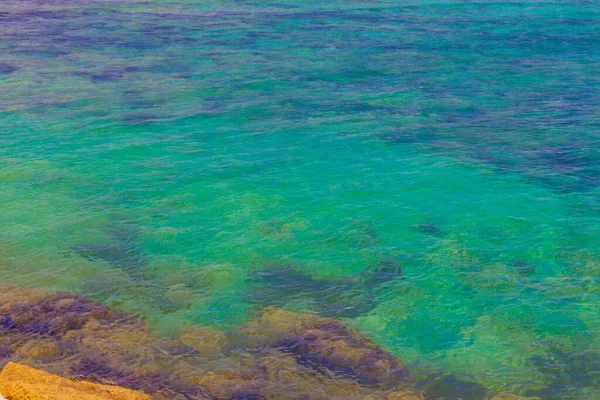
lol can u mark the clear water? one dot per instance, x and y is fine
(427, 171)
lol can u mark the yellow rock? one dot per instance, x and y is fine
(20, 382)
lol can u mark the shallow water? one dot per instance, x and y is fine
(427, 171)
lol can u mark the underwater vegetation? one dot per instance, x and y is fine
(564, 371)
(450, 387)
(119, 248)
(7, 68)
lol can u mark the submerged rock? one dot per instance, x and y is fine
(20, 382)
(55, 315)
(276, 355)
(327, 345)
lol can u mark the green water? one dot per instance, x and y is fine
(427, 171)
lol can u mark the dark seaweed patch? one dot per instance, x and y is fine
(346, 297)
(7, 323)
(5, 352)
(45, 51)
(107, 76)
(182, 350)
(566, 371)
(571, 157)
(196, 392)
(55, 315)
(524, 268)
(384, 271)
(137, 99)
(334, 298)
(121, 250)
(87, 42)
(322, 364)
(7, 68)
(113, 73)
(316, 348)
(430, 229)
(141, 118)
(122, 255)
(139, 43)
(246, 395)
(38, 15)
(451, 387)
(94, 367)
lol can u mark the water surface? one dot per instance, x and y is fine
(426, 171)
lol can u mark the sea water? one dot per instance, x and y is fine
(427, 171)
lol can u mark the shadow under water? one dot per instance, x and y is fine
(347, 297)
(565, 372)
(121, 250)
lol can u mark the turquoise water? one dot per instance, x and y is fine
(426, 171)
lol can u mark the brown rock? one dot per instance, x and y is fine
(20, 382)
(326, 344)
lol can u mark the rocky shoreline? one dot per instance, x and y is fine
(22, 382)
(276, 355)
